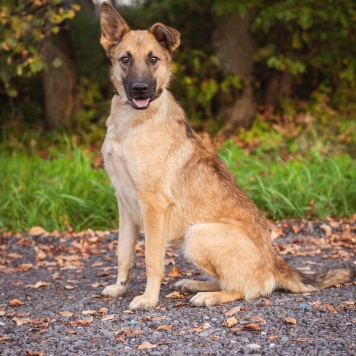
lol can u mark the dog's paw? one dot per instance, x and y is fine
(185, 285)
(143, 302)
(205, 299)
(114, 291)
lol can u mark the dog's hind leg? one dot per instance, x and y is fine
(242, 266)
(190, 285)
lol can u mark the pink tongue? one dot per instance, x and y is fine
(141, 103)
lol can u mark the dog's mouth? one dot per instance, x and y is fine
(143, 103)
(140, 103)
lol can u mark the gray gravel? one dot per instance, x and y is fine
(325, 320)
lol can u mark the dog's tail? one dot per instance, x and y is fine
(297, 282)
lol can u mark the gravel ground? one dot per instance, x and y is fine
(59, 279)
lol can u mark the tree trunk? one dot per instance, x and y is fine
(59, 81)
(278, 87)
(234, 49)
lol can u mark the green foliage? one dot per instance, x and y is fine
(25, 26)
(54, 193)
(310, 186)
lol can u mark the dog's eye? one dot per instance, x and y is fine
(153, 60)
(125, 60)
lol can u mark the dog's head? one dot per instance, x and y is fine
(140, 59)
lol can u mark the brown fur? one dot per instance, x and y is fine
(168, 183)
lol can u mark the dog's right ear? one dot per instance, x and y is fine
(113, 27)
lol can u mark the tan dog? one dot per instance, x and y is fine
(168, 183)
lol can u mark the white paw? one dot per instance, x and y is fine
(143, 302)
(204, 299)
(114, 291)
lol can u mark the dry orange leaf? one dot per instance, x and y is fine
(22, 321)
(230, 322)
(85, 322)
(38, 231)
(89, 312)
(103, 310)
(165, 327)
(69, 287)
(66, 313)
(35, 353)
(259, 319)
(40, 255)
(252, 327)
(146, 345)
(174, 272)
(16, 302)
(25, 267)
(38, 285)
(291, 321)
(233, 311)
(108, 317)
(175, 295)
(5, 338)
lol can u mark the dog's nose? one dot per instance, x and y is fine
(139, 88)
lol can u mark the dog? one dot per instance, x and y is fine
(177, 190)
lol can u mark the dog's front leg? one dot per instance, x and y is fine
(128, 233)
(155, 230)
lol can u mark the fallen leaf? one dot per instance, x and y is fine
(233, 342)
(5, 338)
(69, 287)
(128, 311)
(35, 353)
(165, 327)
(95, 285)
(22, 321)
(175, 295)
(70, 331)
(38, 231)
(303, 339)
(16, 302)
(273, 336)
(232, 311)
(38, 285)
(85, 322)
(103, 310)
(252, 327)
(327, 229)
(146, 345)
(108, 317)
(230, 322)
(25, 267)
(259, 319)
(174, 272)
(291, 321)
(40, 255)
(89, 312)
(199, 329)
(66, 313)
(2, 312)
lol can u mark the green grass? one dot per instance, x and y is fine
(54, 193)
(308, 186)
(65, 190)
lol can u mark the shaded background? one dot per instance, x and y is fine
(237, 59)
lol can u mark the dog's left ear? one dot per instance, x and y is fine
(113, 27)
(168, 38)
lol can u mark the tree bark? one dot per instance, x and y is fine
(59, 82)
(278, 87)
(234, 49)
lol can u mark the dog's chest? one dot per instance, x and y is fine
(116, 164)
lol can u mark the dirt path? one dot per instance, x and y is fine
(54, 285)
